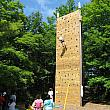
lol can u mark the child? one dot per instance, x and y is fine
(11, 105)
(48, 103)
(38, 103)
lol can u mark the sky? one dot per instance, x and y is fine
(46, 7)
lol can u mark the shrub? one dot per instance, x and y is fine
(99, 87)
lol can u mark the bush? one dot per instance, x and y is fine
(99, 88)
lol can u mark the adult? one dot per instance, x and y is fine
(50, 93)
(38, 103)
(4, 106)
(48, 103)
(13, 97)
(11, 105)
(2, 100)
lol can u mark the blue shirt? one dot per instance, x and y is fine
(48, 104)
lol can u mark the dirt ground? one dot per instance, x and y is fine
(87, 106)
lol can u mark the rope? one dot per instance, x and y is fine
(66, 97)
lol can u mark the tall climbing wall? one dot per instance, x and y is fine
(68, 60)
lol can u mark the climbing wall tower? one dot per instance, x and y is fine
(68, 84)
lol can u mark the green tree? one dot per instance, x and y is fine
(48, 51)
(34, 23)
(96, 27)
(40, 49)
(14, 63)
(66, 9)
(96, 41)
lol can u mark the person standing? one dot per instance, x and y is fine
(11, 105)
(4, 107)
(38, 103)
(48, 103)
(50, 93)
(13, 97)
(2, 100)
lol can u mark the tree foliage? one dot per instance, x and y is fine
(27, 48)
(66, 9)
(13, 62)
(34, 22)
(96, 26)
(96, 41)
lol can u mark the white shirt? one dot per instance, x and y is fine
(12, 106)
(51, 94)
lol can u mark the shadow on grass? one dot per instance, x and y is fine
(104, 102)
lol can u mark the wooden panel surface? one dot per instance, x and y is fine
(68, 75)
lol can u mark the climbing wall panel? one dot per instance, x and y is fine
(68, 60)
